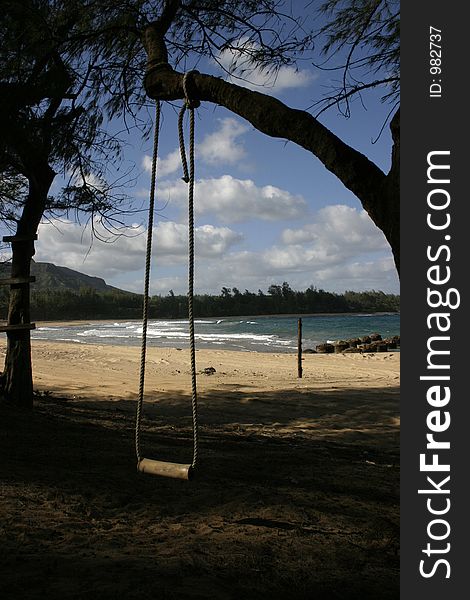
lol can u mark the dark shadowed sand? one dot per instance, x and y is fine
(297, 496)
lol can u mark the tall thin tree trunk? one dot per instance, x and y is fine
(17, 378)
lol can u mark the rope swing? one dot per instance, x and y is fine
(147, 465)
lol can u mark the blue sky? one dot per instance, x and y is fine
(266, 211)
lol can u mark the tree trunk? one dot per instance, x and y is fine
(378, 192)
(392, 191)
(17, 378)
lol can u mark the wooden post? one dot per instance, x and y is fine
(299, 348)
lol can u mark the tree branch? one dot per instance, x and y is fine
(272, 117)
(378, 193)
(153, 35)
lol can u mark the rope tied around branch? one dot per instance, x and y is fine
(191, 104)
(189, 96)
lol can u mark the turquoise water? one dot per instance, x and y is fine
(261, 334)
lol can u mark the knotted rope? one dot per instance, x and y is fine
(188, 177)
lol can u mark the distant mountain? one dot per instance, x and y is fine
(52, 277)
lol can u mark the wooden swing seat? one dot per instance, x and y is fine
(165, 469)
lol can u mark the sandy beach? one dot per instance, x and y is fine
(296, 495)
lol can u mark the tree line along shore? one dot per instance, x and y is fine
(86, 303)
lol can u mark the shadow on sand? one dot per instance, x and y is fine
(297, 497)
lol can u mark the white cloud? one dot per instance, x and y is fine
(254, 270)
(244, 73)
(341, 249)
(165, 166)
(215, 241)
(235, 200)
(358, 271)
(65, 243)
(379, 274)
(95, 182)
(147, 163)
(69, 244)
(295, 258)
(162, 285)
(171, 241)
(220, 147)
(338, 238)
(339, 230)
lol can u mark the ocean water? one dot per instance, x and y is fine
(261, 334)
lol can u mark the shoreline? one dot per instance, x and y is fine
(183, 348)
(262, 335)
(112, 372)
(262, 316)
